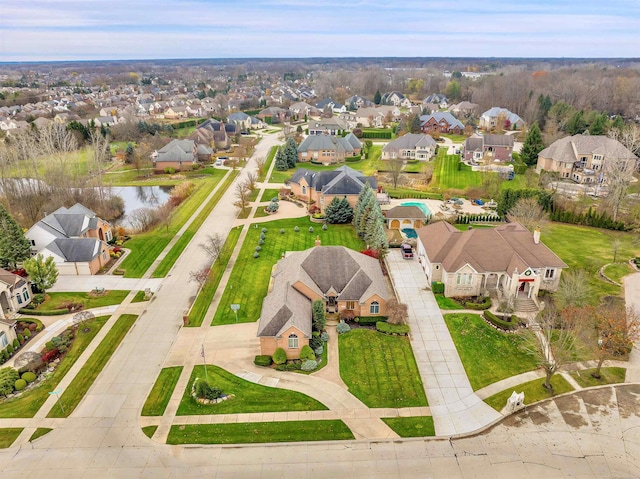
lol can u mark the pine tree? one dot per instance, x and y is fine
(339, 211)
(281, 161)
(415, 124)
(378, 238)
(14, 246)
(532, 146)
(291, 152)
(363, 198)
(599, 125)
(377, 98)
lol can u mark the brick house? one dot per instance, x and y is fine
(441, 122)
(178, 154)
(327, 149)
(488, 148)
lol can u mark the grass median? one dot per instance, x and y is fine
(8, 435)
(415, 426)
(534, 391)
(161, 392)
(272, 153)
(79, 386)
(260, 432)
(174, 253)
(29, 402)
(205, 297)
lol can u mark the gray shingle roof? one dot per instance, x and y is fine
(76, 250)
(341, 181)
(440, 115)
(409, 142)
(571, 148)
(177, 150)
(69, 222)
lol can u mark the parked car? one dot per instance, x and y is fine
(407, 251)
(478, 202)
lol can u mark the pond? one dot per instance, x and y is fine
(136, 197)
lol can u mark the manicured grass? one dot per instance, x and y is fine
(268, 194)
(447, 303)
(617, 271)
(272, 153)
(41, 431)
(8, 435)
(145, 247)
(260, 212)
(30, 401)
(454, 138)
(608, 376)
(260, 432)
(534, 391)
(447, 174)
(417, 426)
(74, 393)
(583, 247)
(149, 431)
(488, 355)
(88, 300)
(250, 277)
(139, 297)
(176, 250)
(161, 392)
(380, 370)
(250, 397)
(205, 297)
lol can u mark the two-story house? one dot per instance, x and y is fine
(488, 148)
(412, 146)
(500, 118)
(441, 122)
(327, 149)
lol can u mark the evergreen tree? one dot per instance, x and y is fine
(366, 201)
(281, 161)
(576, 123)
(339, 211)
(377, 238)
(415, 124)
(532, 146)
(291, 152)
(377, 98)
(43, 273)
(599, 125)
(14, 246)
(318, 316)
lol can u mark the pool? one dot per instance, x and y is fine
(425, 209)
(410, 232)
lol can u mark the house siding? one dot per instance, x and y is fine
(268, 345)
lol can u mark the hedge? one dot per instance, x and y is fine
(393, 329)
(478, 306)
(437, 287)
(520, 168)
(414, 196)
(500, 323)
(352, 159)
(370, 320)
(262, 360)
(377, 135)
(53, 312)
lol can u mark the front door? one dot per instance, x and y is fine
(331, 304)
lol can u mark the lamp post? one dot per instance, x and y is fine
(235, 308)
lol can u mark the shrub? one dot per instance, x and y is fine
(437, 287)
(486, 304)
(205, 390)
(3, 356)
(315, 340)
(20, 384)
(307, 353)
(258, 248)
(256, 255)
(26, 333)
(325, 337)
(500, 323)
(392, 329)
(272, 207)
(262, 360)
(264, 230)
(310, 229)
(279, 356)
(53, 312)
(8, 377)
(324, 227)
(10, 349)
(275, 199)
(16, 344)
(309, 365)
(296, 229)
(260, 242)
(20, 338)
(370, 320)
(37, 299)
(281, 231)
(50, 355)
(169, 170)
(29, 377)
(343, 328)
(293, 366)
(319, 350)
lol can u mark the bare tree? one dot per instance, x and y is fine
(251, 180)
(573, 289)
(619, 175)
(629, 136)
(397, 312)
(616, 244)
(395, 168)
(165, 215)
(528, 212)
(200, 276)
(260, 163)
(242, 195)
(213, 246)
(554, 344)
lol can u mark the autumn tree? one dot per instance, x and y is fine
(260, 164)
(532, 145)
(573, 289)
(397, 312)
(251, 180)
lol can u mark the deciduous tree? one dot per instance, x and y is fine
(397, 312)
(528, 212)
(213, 245)
(43, 273)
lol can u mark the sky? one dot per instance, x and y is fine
(46, 30)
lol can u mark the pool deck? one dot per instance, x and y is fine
(434, 206)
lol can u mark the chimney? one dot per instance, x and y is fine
(318, 242)
(536, 235)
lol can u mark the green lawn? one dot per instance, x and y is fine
(76, 163)
(30, 401)
(380, 370)
(583, 247)
(260, 432)
(608, 376)
(58, 300)
(149, 431)
(161, 392)
(617, 271)
(534, 391)
(250, 277)
(176, 250)
(446, 174)
(74, 393)
(454, 138)
(488, 355)
(268, 194)
(8, 435)
(250, 397)
(447, 303)
(145, 247)
(205, 297)
(39, 432)
(416, 426)
(272, 153)
(139, 297)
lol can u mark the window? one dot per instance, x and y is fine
(464, 278)
(19, 298)
(374, 308)
(304, 190)
(33, 242)
(3, 340)
(25, 295)
(293, 341)
(104, 255)
(549, 274)
(351, 305)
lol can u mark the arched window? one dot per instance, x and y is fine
(3, 339)
(293, 341)
(374, 308)
(304, 190)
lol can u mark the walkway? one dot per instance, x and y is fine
(454, 406)
(86, 283)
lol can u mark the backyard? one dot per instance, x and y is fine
(380, 370)
(249, 279)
